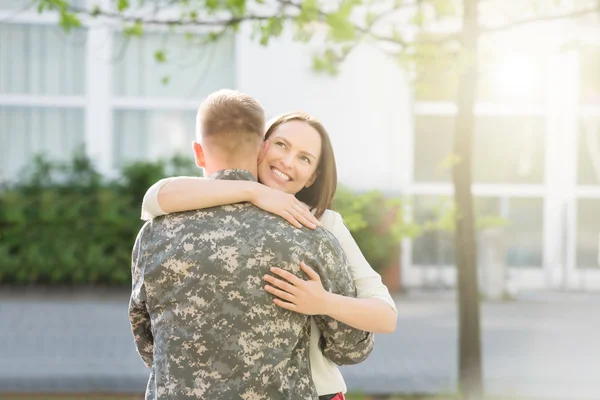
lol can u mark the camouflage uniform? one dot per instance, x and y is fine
(202, 320)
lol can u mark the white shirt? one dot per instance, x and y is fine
(325, 373)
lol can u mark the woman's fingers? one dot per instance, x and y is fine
(290, 218)
(281, 284)
(307, 215)
(285, 304)
(301, 204)
(279, 293)
(285, 275)
(305, 221)
(310, 272)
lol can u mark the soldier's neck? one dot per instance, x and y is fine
(250, 167)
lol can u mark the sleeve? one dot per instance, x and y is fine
(139, 318)
(339, 342)
(150, 206)
(368, 281)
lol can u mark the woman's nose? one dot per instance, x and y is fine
(287, 161)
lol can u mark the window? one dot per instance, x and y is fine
(523, 232)
(25, 132)
(193, 70)
(41, 60)
(150, 129)
(151, 134)
(435, 248)
(505, 149)
(433, 144)
(589, 57)
(588, 156)
(38, 61)
(588, 233)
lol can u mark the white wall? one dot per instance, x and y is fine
(366, 109)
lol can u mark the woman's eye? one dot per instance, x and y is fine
(305, 159)
(280, 144)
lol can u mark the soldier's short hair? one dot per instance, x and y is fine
(231, 120)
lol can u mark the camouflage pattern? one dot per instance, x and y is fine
(202, 320)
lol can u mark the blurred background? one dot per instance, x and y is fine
(90, 118)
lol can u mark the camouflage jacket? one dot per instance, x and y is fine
(202, 320)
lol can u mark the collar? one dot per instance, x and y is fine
(233, 175)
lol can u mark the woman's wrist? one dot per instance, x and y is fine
(253, 192)
(328, 304)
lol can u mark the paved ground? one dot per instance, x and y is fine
(545, 345)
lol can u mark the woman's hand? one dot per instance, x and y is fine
(295, 294)
(285, 205)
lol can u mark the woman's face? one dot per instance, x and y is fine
(292, 157)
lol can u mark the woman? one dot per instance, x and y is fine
(298, 178)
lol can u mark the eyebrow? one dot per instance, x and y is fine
(289, 144)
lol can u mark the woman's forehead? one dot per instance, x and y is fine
(299, 134)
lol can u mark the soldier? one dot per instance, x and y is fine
(200, 317)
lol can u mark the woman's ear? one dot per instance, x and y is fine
(199, 155)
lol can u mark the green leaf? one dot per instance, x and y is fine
(342, 30)
(212, 5)
(273, 27)
(165, 80)
(236, 7)
(134, 30)
(213, 36)
(309, 11)
(327, 63)
(40, 7)
(96, 11)
(160, 56)
(122, 5)
(69, 21)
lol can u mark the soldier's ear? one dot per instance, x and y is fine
(199, 155)
(263, 151)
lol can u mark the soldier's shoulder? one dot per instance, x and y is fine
(142, 233)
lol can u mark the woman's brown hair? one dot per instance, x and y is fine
(319, 195)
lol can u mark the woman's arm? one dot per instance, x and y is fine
(192, 193)
(310, 298)
(374, 309)
(186, 193)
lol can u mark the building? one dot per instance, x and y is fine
(536, 147)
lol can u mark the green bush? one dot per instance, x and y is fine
(377, 224)
(64, 224)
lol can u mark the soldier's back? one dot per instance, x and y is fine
(217, 333)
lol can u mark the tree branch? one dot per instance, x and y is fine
(533, 20)
(173, 22)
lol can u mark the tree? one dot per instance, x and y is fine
(406, 29)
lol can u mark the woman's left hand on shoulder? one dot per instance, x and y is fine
(295, 294)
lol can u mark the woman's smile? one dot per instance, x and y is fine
(281, 175)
